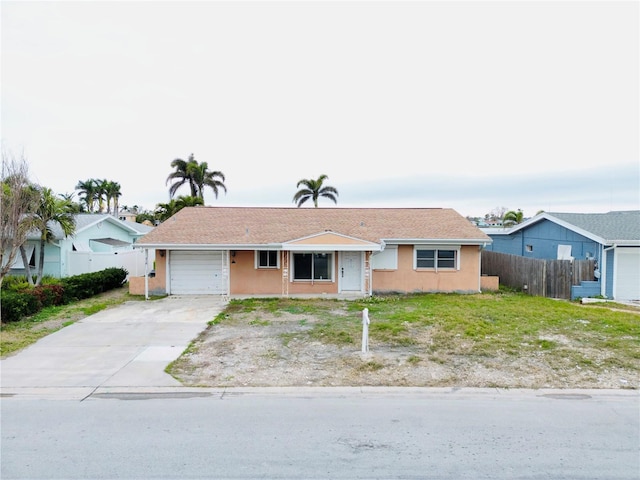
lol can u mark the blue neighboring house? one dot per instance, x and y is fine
(611, 239)
(95, 233)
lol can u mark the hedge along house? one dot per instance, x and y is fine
(312, 251)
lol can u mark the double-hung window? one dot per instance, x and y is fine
(445, 258)
(267, 259)
(312, 266)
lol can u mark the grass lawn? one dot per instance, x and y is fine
(493, 327)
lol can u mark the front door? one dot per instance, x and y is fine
(351, 271)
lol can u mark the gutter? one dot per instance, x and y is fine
(438, 241)
(212, 246)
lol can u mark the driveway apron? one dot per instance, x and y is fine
(126, 346)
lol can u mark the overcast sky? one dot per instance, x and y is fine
(468, 105)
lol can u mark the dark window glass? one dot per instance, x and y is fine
(316, 266)
(268, 259)
(446, 259)
(321, 269)
(425, 258)
(302, 266)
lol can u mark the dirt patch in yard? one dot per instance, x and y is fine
(283, 349)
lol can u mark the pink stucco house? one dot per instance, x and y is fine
(313, 251)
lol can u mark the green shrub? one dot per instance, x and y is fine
(17, 305)
(14, 283)
(21, 300)
(89, 284)
(48, 295)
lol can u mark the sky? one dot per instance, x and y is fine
(466, 105)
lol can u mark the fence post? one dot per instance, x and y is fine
(365, 330)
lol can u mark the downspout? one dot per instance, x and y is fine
(480, 248)
(603, 271)
(146, 274)
(369, 271)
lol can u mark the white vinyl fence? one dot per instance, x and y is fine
(87, 262)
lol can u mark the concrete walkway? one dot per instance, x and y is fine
(126, 346)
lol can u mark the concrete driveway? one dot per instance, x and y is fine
(126, 346)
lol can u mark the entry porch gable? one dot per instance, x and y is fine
(331, 241)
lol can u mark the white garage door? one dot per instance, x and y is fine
(196, 273)
(627, 274)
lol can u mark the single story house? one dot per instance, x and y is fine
(95, 245)
(313, 251)
(612, 239)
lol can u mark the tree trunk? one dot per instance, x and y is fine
(40, 262)
(25, 262)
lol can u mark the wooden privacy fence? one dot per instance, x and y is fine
(545, 278)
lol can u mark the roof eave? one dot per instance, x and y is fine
(209, 246)
(438, 241)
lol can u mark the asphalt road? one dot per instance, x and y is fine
(324, 433)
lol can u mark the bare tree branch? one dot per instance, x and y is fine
(17, 200)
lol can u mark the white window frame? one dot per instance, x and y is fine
(267, 267)
(436, 249)
(331, 264)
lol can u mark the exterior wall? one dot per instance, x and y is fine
(406, 279)
(489, 283)
(511, 244)
(55, 254)
(317, 287)
(245, 279)
(544, 237)
(608, 292)
(52, 259)
(102, 230)
(157, 284)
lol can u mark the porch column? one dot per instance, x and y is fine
(367, 273)
(285, 273)
(146, 274)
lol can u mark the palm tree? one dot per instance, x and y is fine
(112, 194)
(512, 218)
(88, 189)
(182, 175)
(101, 193)
(51, 210)
(203, 177)
(165, 210)
(313, 189)
(34, 193)
(76, 207)
(196, 175)
(182, 202)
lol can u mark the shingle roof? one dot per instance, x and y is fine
(85, 220)
(267, 225)
(612, 226)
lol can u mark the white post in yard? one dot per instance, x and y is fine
(365, 330)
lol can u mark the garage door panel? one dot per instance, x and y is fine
(197, 273)
(627, 274)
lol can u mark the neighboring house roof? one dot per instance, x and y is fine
(270, 226)
(620, 228)
(84, 221)
(139, 227)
